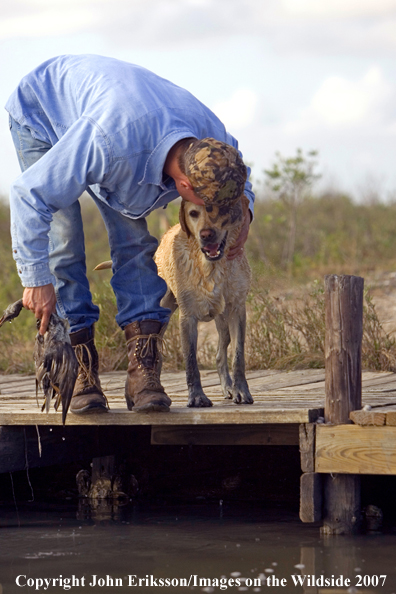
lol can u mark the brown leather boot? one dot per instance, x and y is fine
(143, 390)
(88, 395)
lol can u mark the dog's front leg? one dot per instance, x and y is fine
(240, 388)
(221, 355)
(189, 340)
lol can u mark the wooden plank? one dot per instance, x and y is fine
(351, 449)
(287, 382)
(310, 482)
(220, 403)
(310, 497)
(391, 418)
(217, 415)
(13, 404)
(387, 379)
(14, 377)
(307, 447)
(368, 380)
(368, 418)
(225, 435)
(341, 503)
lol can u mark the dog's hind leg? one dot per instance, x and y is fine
(221, 355)
(169, 301)
(189, 340)
(240, 388)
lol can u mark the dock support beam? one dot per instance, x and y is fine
(311, 500)
(343, 387)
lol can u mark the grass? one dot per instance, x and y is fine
(290, 333)
(285, 307)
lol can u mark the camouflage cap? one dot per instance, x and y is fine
(216, 171)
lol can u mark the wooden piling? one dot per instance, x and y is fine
(343, 391)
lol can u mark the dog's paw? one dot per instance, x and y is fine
(227, 391)
(198, 401)
(241, 394)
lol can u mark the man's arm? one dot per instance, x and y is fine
(58, 179)
(237, 248)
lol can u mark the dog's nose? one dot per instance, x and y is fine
(207, 234)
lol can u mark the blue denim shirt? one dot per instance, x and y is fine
(111, 125)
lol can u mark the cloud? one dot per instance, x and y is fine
(340, 102)
(149, 22)
(289, 25)
(239, 110)
(338, 8)
(40, 25)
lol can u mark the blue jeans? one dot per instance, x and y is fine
(135, 282)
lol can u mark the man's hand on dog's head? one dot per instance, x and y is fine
(237, 248)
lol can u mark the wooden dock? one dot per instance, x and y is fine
(343, 420)
(288, 409)
(280, 398)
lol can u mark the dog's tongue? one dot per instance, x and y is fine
(212, 249)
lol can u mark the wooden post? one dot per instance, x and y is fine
(310, 481)
(343, 346)
(343, 387)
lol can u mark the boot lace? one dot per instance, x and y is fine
(85, 374)
(146, 346)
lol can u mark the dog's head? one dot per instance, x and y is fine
(214, 228)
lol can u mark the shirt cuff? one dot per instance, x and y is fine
(251, 206)
(34, 276)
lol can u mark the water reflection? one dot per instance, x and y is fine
(233, 548)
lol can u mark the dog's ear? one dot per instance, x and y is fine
(182, 219)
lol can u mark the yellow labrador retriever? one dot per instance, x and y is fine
(192, 259)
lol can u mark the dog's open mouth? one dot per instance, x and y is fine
(214, 251)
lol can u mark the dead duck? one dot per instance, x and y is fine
(55, 361)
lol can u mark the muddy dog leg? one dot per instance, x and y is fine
(169, 301)
(189, 339)
(221, 355)
(240, 388)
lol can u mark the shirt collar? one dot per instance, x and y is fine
(153, 171)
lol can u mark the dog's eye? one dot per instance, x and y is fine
(194, 214)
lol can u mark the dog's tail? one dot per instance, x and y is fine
(104, 265)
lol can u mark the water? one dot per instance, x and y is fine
(234, 547)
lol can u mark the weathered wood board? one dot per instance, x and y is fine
(280, 397)
(268, 434)
(377, 416)
(310, 497)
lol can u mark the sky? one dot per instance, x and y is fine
(281, 74)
